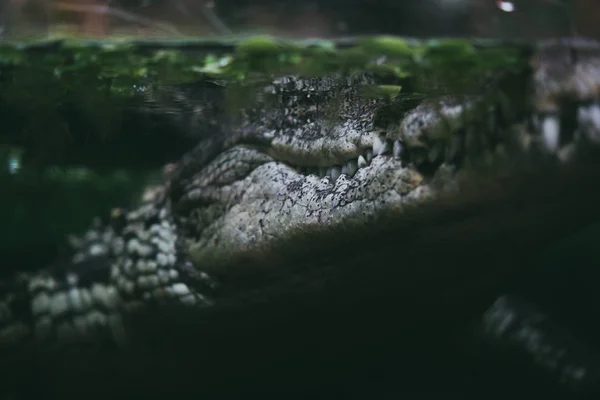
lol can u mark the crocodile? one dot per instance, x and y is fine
(323, 207)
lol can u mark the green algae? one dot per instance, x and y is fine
(43, 81)
(180, 62)
(388, 92)
(101, 77)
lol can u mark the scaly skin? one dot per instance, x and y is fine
(281, 205)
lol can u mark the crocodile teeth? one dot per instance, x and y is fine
(334, 172)
(379, 146)
(350, 168)
(551, 133)
(362, 162)
(589, 120)
(369, 156)
(397, 149)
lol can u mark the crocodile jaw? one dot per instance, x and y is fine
(248, 198)
(274, 202)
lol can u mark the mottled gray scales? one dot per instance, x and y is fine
(302, 156)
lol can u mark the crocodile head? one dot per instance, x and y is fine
(360, 204)
(326, 156)
(320, 163)
(318, 177)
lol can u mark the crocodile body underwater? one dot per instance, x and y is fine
(319, 224)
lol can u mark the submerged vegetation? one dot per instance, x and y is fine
(123, 63)
(94, 82)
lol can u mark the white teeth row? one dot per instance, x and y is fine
(380, 147)
(551, 133)
(589, 122)
(362, 162)
(588, 118)
(548, 126)
(398, 149)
